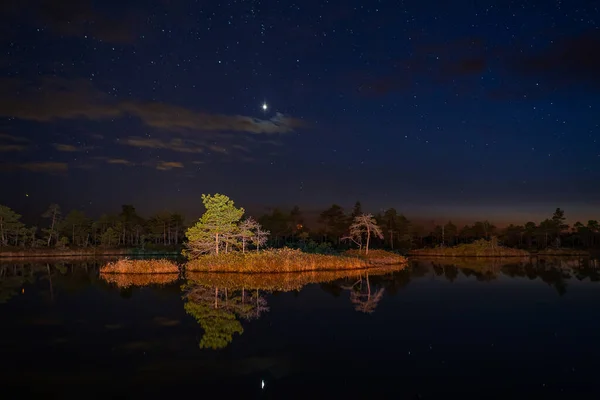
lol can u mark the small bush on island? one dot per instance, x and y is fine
(127, 266)
(479, 248)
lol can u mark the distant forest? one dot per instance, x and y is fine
(166, 229)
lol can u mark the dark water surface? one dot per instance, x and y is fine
(475, 329)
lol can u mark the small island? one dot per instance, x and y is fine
(222, 242)
(479, 248)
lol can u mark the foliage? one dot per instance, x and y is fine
(377, 256)
(364, 226)
(479, 248)
(11, 228)
(128, 266)
(277, 260)
(216, 228)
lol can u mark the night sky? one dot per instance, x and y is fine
(462, 109)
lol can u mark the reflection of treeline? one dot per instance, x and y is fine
(56, 276)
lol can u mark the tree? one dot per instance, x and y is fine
(334, 221)
(9, 225)
(558, 219)
(450, 233)
(250, 229)
(366, 224)
(76, 226)
(220, 219)
(260, 237)
(356, 211)
(53, 213)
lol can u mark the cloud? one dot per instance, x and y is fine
(10, 138)
(569, 60)
(12, 147)
(12, 143)
(170, 117)
(174, 145)
(68, 148)
(77, 18)
(447, 63)
(168, 165)
(119, 161)
(53, 98)
(43, 166)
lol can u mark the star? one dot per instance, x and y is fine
(264, 106)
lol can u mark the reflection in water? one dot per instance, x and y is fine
(362, 297)
(217, 311)
(323, 331)
(127, 280)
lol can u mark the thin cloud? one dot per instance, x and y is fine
(44, 167)
(55, 98)
(168, 165)
(68, 148)
(11, 138)
(12, 147)
(12, 143)
(119, 161)
(174, 145)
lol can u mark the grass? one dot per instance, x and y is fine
(127, 280)
(479, 248)
(127, 266)
(561, 252)
(280, 260)
(379, 257)
(280, 281)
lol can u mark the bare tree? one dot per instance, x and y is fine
(260, 237)
(247, 230)
(365, 224)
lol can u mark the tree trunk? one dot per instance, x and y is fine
(368, 239)
(217, 243)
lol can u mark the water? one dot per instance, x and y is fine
(491, 329)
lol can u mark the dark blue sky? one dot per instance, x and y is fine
(463, 109)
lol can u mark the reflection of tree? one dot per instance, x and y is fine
(362, 297)
(12, 281)
(217, 311)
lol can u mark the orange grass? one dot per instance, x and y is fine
(479, 248)
(127, 266)
(279, 260)
(380, 257)
(281, 281)
(126, 280)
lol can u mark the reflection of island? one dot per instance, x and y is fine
(217, 311)
(127, 280)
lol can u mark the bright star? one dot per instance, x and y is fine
(264, 107)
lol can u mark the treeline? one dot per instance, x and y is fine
(76, 229)
(288, 228)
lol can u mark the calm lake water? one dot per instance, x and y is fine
(479, 329)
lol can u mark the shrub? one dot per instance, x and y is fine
(278, 260)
